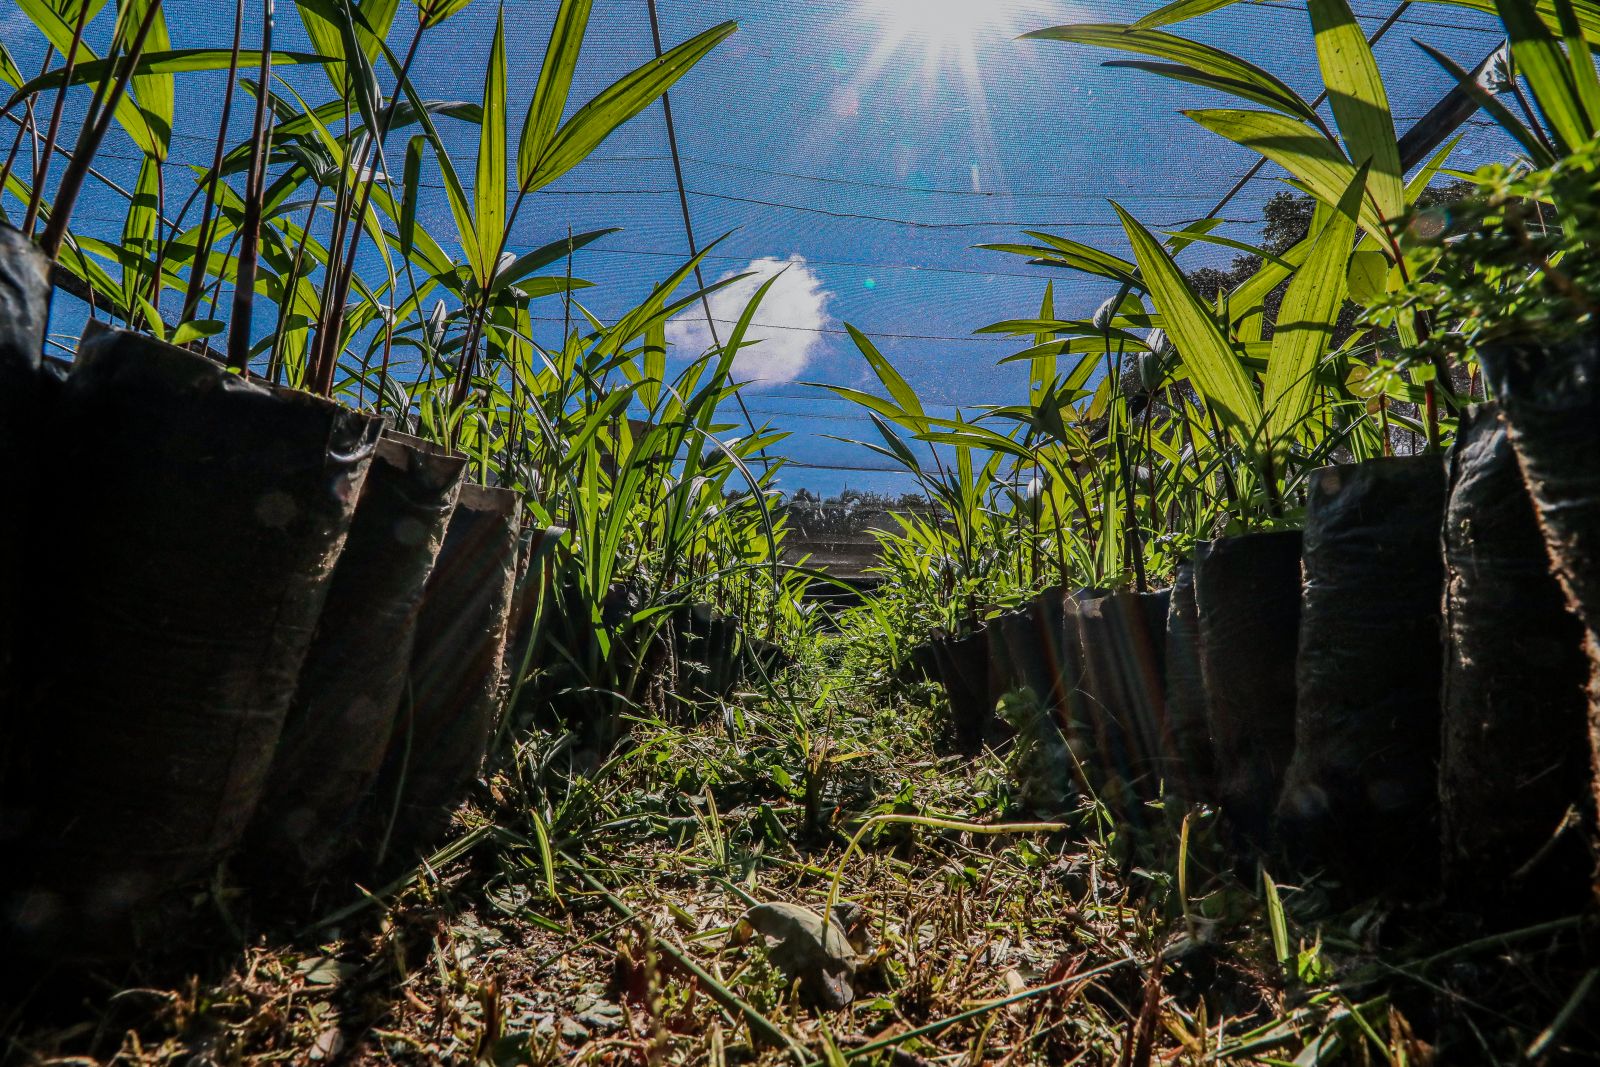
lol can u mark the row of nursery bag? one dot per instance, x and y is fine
(238, 619)
(1398, 694)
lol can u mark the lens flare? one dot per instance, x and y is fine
(947, 32)
(949, 39)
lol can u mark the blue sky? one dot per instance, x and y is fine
(854, 142)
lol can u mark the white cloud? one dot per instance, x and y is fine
(782, 338)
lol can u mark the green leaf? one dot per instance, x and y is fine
(175, 61)
(1430, 170)
(1181, 11)
(1542, 63)
(653, 367)
(1064, 252)
(897, 387)
(1042, 368)
(361, 80)
(195, 329)
(489, 190)
(1305, 324)
(741, 326)
(550, 94)
(1199, 63)
(139, 226)
(334, 111)
(1228, 242)
(321, 25)
(411, 179)
(1179, 72)
(887, 408)
(1204, 349)
(1587, 12)
(1360, 102)
(10, 73)
(333, 32)
(1096, 343)
(1368, 277)
(432, 12)
(1276, 920)
(1585, 78)
(1295, 147)
(155, 92)
(616, 105)
(59, 33)
(542, 257)
(152, 318)
(1537, 152)
(460, 208)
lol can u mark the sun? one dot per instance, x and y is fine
(939, 24)
(951, 41)
(947, 31)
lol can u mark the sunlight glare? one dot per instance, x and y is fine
(947, 38)
(942, 24)
(949, 29)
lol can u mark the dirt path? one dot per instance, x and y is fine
(597, 918)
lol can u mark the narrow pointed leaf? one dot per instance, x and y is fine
(407, 223)
(1209, 65)
(1042, 368)
(1181, 11)
(616, 105)
(1064, 252)
(341, 35)
(1580, 62)
(1213, 365)
(174, 61)
(1295, 147)
(1179, 72)
(489, 190)
(542, 257)
(1588, 14)
(59, 33)
(432, 12)
(550, 94)
(1360, 102)
(154, 91)
(1430, 170)
(10, 73)
(1542, 63)
(1537, 152)
(895, 385)
(1306, 320)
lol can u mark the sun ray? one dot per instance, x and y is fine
(944, 45)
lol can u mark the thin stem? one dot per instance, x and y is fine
(290, 289)
(688, 224)
(383, 369)
(344, 274)
(244, 289)
(55, 117)
(160, 264)
(202, 253)
(95, 124)
(24, 126)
